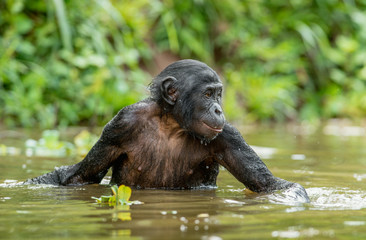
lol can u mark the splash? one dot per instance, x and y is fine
(336, 199)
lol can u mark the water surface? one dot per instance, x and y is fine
(331, 168)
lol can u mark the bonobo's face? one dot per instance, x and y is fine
(208, 119)
(191, 91)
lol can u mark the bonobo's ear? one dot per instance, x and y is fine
(168, 91)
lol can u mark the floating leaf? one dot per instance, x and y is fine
(103, 199)
(121, 196)
(115, 189)
(124, 193)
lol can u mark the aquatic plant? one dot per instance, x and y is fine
(121, 196)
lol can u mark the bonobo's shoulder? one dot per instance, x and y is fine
(146, 108)
(133, 115)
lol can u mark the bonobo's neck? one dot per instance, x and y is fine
(171, 126)
(161, 105)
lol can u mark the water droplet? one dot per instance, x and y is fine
(183, 228)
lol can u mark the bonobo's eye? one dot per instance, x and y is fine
(208, 93)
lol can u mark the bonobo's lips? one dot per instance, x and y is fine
(218, 130)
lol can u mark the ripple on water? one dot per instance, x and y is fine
(336, 199)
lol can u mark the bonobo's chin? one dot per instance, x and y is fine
(209, 134)
(205, 139)
(204, 132)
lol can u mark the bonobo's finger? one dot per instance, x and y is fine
(293, 195)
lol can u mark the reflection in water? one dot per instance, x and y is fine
(122, 212)
(264, 152)
(294, 232)
(359, 177)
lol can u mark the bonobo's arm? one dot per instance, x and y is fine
(241, 161)
(100, 158)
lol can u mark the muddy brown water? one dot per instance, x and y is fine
(332, 168)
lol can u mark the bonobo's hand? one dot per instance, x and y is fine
(54, 178)
(48, 178)
(294, 194)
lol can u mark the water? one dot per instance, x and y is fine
(331, 168)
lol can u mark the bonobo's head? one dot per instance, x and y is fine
(191, 91)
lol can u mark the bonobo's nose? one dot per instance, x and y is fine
(217, 113)
(217, 109)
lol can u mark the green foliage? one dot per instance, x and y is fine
(296, 59)
(78, 62)
(121, 196)
(63, 63)
(262, 96)
(189, 37)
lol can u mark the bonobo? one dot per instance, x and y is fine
(175, 139)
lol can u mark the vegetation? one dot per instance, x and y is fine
(68, 62)
(120, 201)
(121, 196)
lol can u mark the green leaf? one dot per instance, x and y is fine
(121, 196)
(114, 189)
(103, 199)
(124, 193)
(63, 24)
(22, 23)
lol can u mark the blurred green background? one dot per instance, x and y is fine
(67, 62)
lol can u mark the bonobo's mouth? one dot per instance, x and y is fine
(215, 129)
